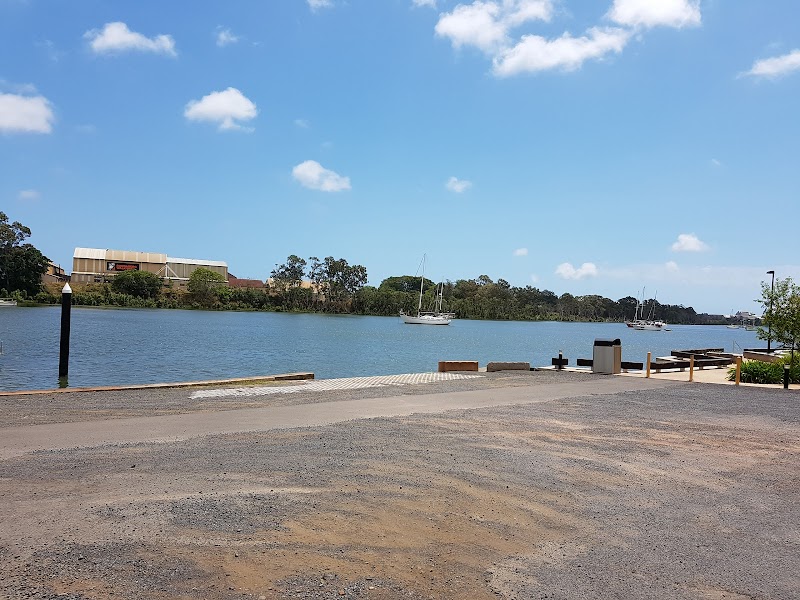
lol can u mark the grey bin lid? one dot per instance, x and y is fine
(607, 342)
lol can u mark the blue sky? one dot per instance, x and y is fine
(577, 146)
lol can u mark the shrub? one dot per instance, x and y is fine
(756, 371)
(140, 284)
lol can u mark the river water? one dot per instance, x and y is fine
(130, 346)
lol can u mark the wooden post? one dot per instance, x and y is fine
(738, 369)
(691, 368)
(648, 365)
(63, 357)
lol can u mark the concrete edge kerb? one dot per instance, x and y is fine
(155, 386)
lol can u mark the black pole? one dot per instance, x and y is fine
(786, 372)
(769, 325)
(63, 357)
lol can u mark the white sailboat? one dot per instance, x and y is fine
(431, 317)
(650, 323)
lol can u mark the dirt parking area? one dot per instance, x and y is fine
(690, 491)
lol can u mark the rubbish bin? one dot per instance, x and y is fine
(607, 356)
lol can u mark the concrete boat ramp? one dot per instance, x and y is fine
(174, 427)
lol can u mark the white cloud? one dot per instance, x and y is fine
(225, 37)
(522, 11)
(116, 37)
(689, 242)
(25, 114)
(313, 175)
(652, 13)
(716, 162)
(302, 123)
(419, 3)
(476, 24)
(28, 196)
(776, 66)
(486, 25)
(535, 53)
(317, 4)
(567, 271)
(671, 266)
(534, 278)
(458, 185)
(489, 26)
(226, 108)
(521, 252)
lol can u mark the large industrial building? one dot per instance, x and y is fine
(96, 265)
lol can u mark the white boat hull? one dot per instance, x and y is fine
(425, 320)
(431, 317)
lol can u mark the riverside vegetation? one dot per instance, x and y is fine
(781, 324)
(333, 285)
(329, 285)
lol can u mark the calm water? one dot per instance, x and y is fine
(120, 346)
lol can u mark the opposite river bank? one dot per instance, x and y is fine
(138, 346)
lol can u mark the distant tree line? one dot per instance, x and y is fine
(329, 285)
(483, 298)
(335, 286)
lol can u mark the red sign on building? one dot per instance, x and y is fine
(121, 266)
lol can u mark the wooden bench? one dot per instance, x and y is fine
(632, 366)
(697, 352)
(507, 366)
(446, 366)
(624, 365)
(699, 363)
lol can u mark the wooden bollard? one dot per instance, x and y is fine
(738, 369)
(648, 365)
(691, 368)
(63, 354)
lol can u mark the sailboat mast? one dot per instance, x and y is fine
(421, 284)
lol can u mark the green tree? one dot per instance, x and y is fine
(141, 284)
(336, 280)
(204, 285)
(566, 307)
(21, 265)
(405, 283)
(290, 274)
(782, 313)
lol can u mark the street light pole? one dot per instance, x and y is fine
(769, 325)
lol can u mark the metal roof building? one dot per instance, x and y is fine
(95, 265)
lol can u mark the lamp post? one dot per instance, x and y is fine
(769, 324)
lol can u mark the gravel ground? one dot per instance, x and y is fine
(685, 492)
